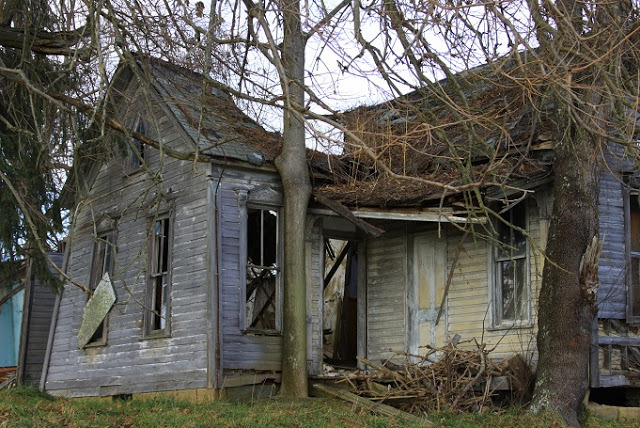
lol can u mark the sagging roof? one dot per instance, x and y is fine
(478, 128)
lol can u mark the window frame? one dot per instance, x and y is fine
(151, 277)
(106, 237)
(629, 192)
(495, 274)
(136, 151)
(244, 208)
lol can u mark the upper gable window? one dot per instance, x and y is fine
(103, 254)
(633, 255)
(136, 150)
(511, 285)
(262, 287)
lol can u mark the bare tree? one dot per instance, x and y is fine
(572, 65)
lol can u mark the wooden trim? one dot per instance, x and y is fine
(150, 284)
(56, 310)
(94, 281)
(594, 356)
(218, 334)
(618, 340)
(24, 328)
(361, 290)
(413, 294)
(495, 290)
(211, 289)
(626, 191)
(343, 211)
(242, 260)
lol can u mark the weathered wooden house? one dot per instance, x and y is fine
(193, 250)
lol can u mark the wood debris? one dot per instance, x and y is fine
(447, 378)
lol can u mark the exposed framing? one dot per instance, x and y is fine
(244, 205)
(360, 244)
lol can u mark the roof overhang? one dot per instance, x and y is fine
(407, 214)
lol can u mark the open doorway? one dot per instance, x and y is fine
(340, 295)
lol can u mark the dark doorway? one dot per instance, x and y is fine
(340, 342)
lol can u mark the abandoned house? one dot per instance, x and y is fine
(193, 250)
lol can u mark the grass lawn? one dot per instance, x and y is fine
(26, 407)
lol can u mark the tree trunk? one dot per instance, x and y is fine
(567, 305)
(297, 189)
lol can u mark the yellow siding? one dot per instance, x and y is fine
(467, 309)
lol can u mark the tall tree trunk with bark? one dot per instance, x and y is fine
(567, 301)
(590, 94)
(297, 189)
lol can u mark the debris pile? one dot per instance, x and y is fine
(447, 378)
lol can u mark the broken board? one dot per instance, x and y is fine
(96, 310)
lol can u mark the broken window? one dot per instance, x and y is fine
(633, 230)
(262, 311)
(159, 282)
(511, 274)
(136, 151)
(103, 252)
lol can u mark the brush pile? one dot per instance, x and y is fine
(447, 378)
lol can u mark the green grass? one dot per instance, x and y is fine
(26, 407)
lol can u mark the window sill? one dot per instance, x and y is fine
(133, 171)
(155, 335)
(99, 344)
(255, 332)
(511, 326)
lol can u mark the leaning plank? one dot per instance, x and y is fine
(345, 212)
(320, 390)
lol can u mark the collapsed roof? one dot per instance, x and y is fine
(476, 129)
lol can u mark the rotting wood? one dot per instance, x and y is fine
(319, 390)
(450, 277)
(342, 210)
(446, 378)
(337, 263)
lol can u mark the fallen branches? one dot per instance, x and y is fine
(447, 378)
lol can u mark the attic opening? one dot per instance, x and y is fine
(340, 309)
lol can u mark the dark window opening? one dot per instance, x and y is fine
(634, 230)
(101, 264)
(511, 287)
(340, 309)
(158, 311)
(136, 152)
(263, 270)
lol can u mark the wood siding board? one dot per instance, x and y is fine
(386, 296)
(189, 291)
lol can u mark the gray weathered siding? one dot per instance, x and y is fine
(37, 316)
(386, 295)
(130, 363)
(612, 292)
(315, 257)
(241, 351)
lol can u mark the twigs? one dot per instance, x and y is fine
(447, 378)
